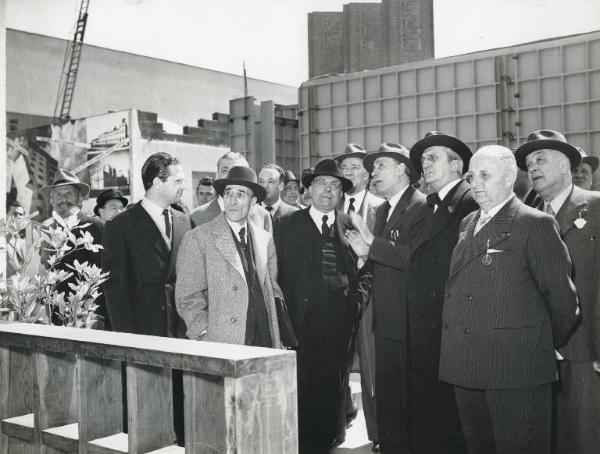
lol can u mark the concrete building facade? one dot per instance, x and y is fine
(374, 35)
(110, 80)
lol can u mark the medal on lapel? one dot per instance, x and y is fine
(487, 258)
(580, 222)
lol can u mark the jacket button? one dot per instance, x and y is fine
(447, 295)
(235, 288)
(432, 293)
(467, 330)
(469, 298)
(233, 319)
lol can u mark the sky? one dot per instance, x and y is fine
(271, 36)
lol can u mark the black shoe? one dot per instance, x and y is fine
(336, 442)
(375, 447)
(351, 417)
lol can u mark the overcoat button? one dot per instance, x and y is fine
(445, 325)
(467, 330)
(432, 293)
(470, 298)
(233, 319)
(235, 288)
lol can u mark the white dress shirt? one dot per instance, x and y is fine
(317, 217)
(358, 200)
(156, 213)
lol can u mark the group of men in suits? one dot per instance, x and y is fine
(459, 302)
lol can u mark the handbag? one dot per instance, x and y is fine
(286, 330)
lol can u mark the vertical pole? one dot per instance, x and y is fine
(3, 165)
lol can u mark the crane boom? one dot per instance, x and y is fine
(68, 78)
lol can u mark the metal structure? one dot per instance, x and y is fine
(495, 96)
(68, 76)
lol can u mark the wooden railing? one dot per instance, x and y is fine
(61, 391)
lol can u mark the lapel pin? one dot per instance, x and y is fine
(580, 222)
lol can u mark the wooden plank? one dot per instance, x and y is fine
(62, 438)
(149, 408)
(261, 412)
(205, 357)
(100, 399)
(19, 427)
(114, 444)
(57, 390)
(205, 427)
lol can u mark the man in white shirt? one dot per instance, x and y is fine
(509, 302)
(549, 161)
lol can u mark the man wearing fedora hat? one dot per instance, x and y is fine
(583, 175)
(207, 212)
(549, 160)
(319, 278)
(363, 202)
(441, 159)
(66, 194)
(291, 188)
(109, 203)
(397, 222)
(227, 271)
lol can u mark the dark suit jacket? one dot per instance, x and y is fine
(297, 266)
(584, 248)
(283, 213)
(502, 321)
(388, 263)
(207, 212)
(139, 291)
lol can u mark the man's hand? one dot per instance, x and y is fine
(596, 366)
(361, 226)
(358, 244)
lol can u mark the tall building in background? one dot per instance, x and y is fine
(407, 31)
(325, 42)
(370, 36)
(362, 36)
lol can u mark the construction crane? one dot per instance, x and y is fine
(68, 77)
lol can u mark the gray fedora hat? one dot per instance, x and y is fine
(395, 151)
(352, 150)
(547, 139)
(64, 177)
(592, 161)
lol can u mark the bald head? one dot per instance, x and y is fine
(492, 174)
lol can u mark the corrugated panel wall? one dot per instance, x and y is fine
(487, 97)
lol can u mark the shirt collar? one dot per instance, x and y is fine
(559, 200)
(72, 219)
(275, 206)
(358, 200)
(393, 201)
(221, 203)
(317, 217)
(442, 193)
(498, 207)
(151, 207)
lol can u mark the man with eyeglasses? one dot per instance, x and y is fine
(227, 271)
(319, 278)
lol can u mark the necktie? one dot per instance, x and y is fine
(483, 220)
(351, 205)
(433, 199)
(167, 223)
(269, 208)
(243, 238)
(324, 226)
(549, 210)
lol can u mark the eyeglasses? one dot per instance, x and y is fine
(331, 185)
(240, 196)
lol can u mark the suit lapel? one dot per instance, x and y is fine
(260, 244)
(399, 210)
(179, 229)
(143, 223)
(495, 231)
(574, 207)
(225, 244)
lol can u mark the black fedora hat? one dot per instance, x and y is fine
(394, 151)
(328, 168)
(435, 138)
(64, 177)
(352, 150)
(289, 176)
(546, 139)
(592, 161)
(105, 196)
(242, 176)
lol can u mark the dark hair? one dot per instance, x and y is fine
(204, 181)
(13, 203)
(277, 168)
(157, 165)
